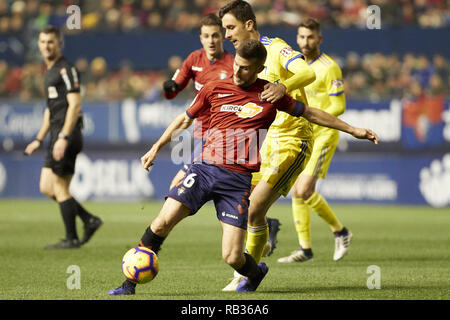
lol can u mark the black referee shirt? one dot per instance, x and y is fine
(62, 78)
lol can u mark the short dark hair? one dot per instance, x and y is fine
(311, 24)
(52, 29)
(241, 10)
(211, 20)
(252, 49)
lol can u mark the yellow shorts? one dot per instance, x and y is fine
(282, 160)
(322, 152)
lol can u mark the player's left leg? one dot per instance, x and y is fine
(305, 198)
(261, 199)
(68, 210)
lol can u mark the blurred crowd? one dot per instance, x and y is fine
(134, 15)
(371, 76)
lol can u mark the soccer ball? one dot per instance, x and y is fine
(140, 265)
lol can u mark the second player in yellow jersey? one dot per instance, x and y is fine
(326, 93)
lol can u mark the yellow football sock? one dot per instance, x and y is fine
(320, 205)
(256, 240)
(302, 222)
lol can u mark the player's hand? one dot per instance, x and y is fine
(170, 86)
(273, 92)
(368, 134)
(59, 148)
(32, 147)
(148, 158)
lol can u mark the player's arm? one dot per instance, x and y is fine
(291, 60)
(181, 122)
(45, 127)
(72, 115)
(335, 89)
(317, 116)
(325, 119)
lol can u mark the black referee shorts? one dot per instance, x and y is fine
(66, 166)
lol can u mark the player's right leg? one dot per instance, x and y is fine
(282, 162)
(243, 263)
(172, 212)
(46, 182)
(305, 198)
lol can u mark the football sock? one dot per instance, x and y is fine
(68, 210)
(302, 222)
(308, 252)
(82, 213)
(320, 205)
(343, 232)
(250, 268)
(256, 240)
(151, 240)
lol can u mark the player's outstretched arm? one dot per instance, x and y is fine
(182, 121)
(325, 119)
(45, 127)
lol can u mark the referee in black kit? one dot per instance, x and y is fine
(63, 118)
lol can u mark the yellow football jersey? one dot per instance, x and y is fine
(276, 70)
(327, 91)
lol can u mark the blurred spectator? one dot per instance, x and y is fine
(372, 76)
(109, 15)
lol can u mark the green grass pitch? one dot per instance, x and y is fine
(410, 245)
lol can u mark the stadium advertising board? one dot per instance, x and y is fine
(416, 180)
(401, 125)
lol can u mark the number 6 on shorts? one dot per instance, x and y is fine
(189, 180)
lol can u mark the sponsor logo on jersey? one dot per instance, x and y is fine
(223, 95)
(52, 93)
(248, 110)
(199, 69)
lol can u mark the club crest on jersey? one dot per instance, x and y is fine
(223, 75)
(249, 110)
(337, 83)
(287, 52)
(180, 190)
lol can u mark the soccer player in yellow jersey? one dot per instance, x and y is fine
(287, 146)
(326, 93)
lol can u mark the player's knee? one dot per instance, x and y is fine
(232, 258)
(256, 214)
(46, 190)
(302, 192)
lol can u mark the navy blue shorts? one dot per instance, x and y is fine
(228, 189)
